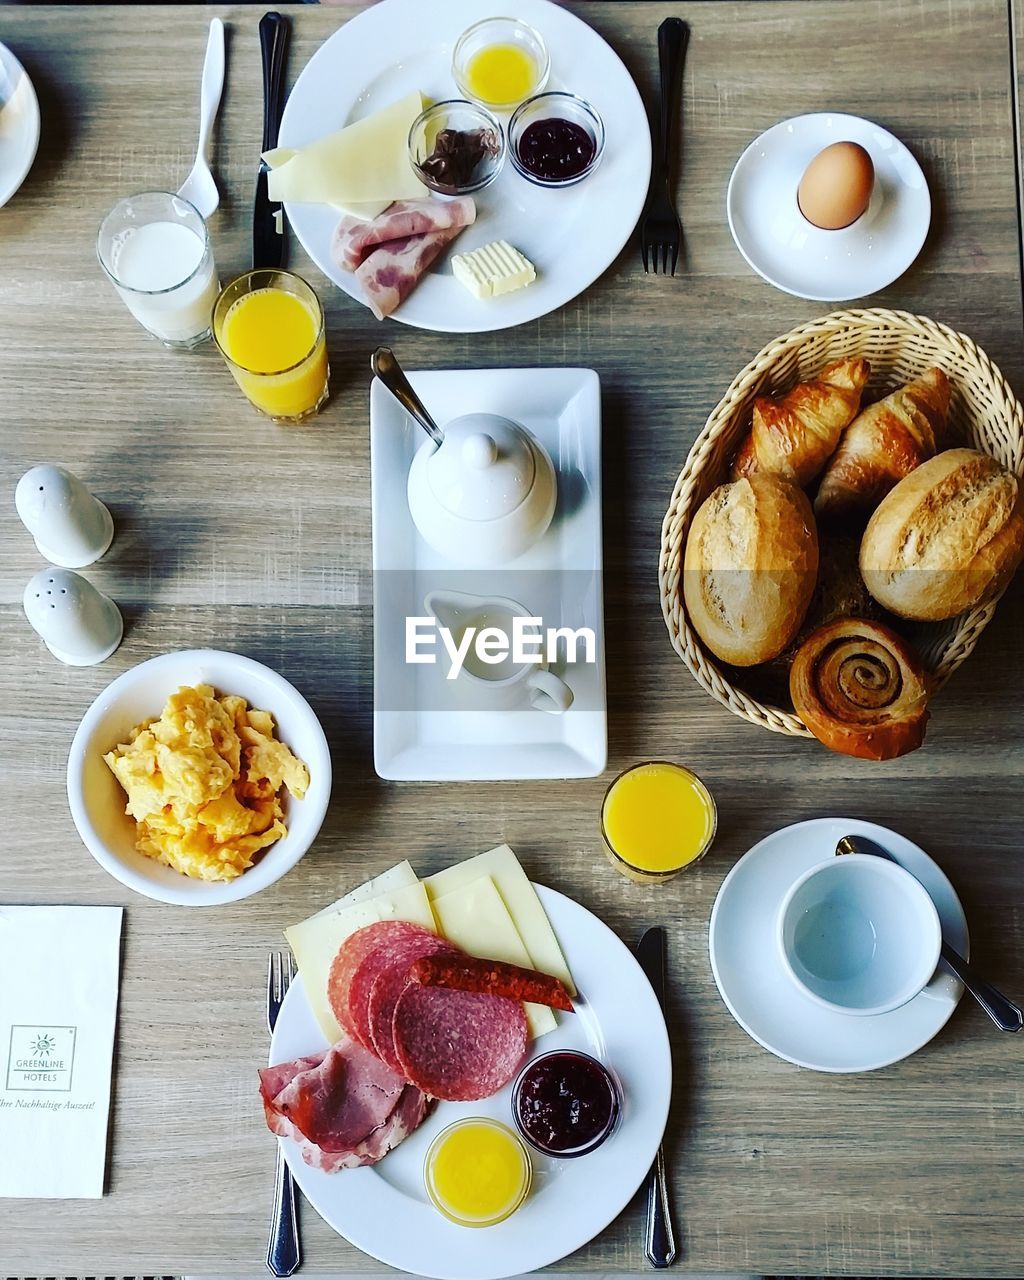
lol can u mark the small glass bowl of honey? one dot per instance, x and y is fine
(500, 62)
(477, 1172)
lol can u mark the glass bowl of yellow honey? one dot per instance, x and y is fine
(657, 819)
(500, 62)
(477, 1172)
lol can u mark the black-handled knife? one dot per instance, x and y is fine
(659, 1238)
(268, 216)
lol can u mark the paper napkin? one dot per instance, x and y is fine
(59, 970)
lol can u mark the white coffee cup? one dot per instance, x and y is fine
(859, 935)
(500, 686)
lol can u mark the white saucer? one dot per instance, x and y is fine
(19, 124)
(826, 266)
(763, 998)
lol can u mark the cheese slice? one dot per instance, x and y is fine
(365, 163)
(493, 269)
(475, 918)
(315, 941)
(398, 877)
(519, 896)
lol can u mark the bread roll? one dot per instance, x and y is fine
(949, 536)
(861, 690)
(749, 569)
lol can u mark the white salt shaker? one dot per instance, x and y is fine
(70, 526)
(80, 625)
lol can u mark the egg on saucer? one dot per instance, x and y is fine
(828, 207)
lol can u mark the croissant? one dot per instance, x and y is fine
(795, 436)
(884, 443)
(860, 690)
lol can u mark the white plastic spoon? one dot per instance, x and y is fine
(199, 187)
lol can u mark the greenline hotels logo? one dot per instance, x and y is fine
(41, 1059)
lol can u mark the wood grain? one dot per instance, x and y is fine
(234, 533)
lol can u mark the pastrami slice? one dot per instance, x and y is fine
(456, 1045)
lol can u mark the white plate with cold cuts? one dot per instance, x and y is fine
(384, 1209)
(19, 124)
(767, 1003)
(800, 258)
(571, 236)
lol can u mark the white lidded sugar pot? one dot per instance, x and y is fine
(483, 490)
(486, 494)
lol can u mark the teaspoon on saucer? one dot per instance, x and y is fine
(1003, 1012)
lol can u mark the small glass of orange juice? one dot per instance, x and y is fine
(657, 819)
(269, 326)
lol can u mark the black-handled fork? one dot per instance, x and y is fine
(660, 229)
(284, 1252)
(267, 225)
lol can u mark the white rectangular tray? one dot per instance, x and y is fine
(415, 738)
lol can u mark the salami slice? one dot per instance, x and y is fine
(389, 985)
(458, 1045)
(348, 989)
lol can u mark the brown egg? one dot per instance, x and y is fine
(836, 186)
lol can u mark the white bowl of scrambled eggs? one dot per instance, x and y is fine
(177, 764)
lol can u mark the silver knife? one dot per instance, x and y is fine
(267, 219)
(659, 1238)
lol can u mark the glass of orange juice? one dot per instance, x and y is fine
(269, 326)
(657, 819)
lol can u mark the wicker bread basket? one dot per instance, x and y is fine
(984, 413)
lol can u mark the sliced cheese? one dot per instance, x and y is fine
(493, 269)
(475, 918)
(315, 942)
(399, 877)
(519, 896)
(365, 163)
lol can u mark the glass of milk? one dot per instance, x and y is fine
(155, 249)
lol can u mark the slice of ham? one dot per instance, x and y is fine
(355, 238)
(331, 1103)
(394, 269)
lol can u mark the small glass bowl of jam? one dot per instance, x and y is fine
(500, 62)
(555, 139)
(566, 1103)
(456, 147)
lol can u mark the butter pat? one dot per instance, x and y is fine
(366, 164)
(493, 269)
(476, 919)
(315, 942)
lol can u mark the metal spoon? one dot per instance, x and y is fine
(387, 368)
(199, 187)
(1003, 1012)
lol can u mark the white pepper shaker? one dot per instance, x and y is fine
(79, 625)
(70, 526)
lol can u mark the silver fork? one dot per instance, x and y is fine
(283, 1251)
(660, 229)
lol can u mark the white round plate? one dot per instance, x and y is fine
(763, 998)
(571, 236)
(19, 124)
(384, 1210)
(826, 266)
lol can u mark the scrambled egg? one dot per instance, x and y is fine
(204, 783)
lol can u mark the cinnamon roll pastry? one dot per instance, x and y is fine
(860, 690)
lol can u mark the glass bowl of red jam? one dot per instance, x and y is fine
(566, 1103)
(555, 139)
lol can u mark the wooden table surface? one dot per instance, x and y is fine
(237, 534)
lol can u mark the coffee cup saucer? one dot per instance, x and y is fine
(763, 998)
(799, 258)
